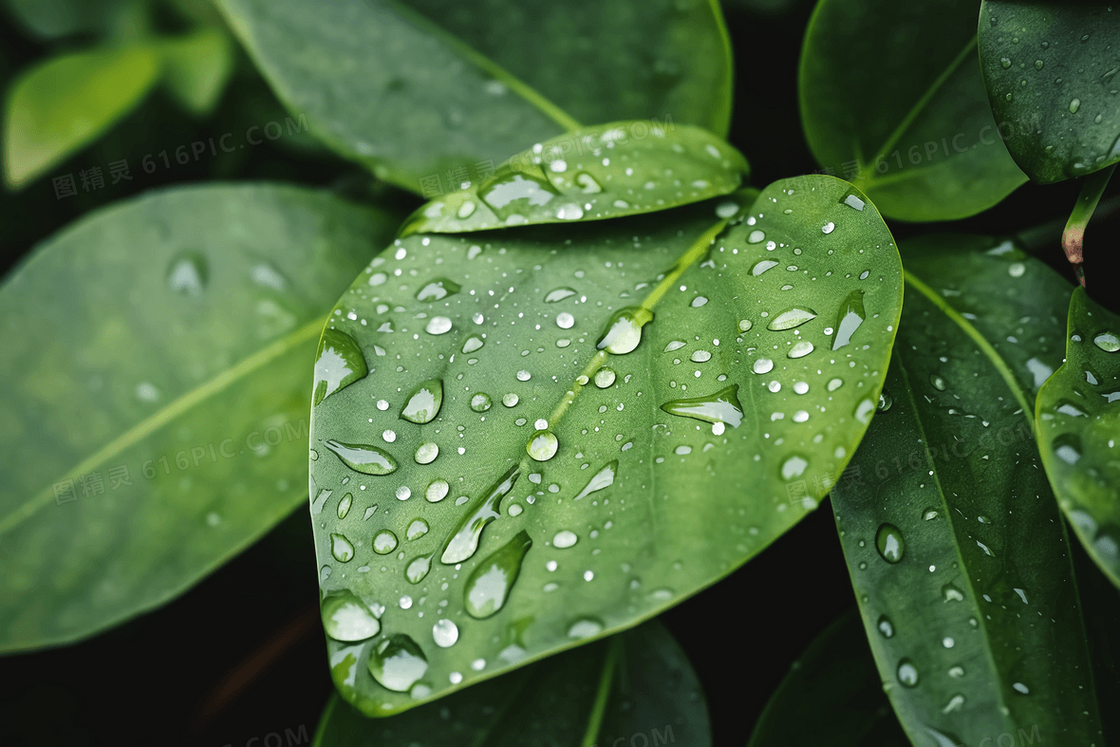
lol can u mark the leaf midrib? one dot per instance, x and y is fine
(167, 414)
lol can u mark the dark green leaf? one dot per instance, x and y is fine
(53, 18)
(197, 68)
(65, 103)
(622, 168)
(391, 89)
(1079, 424)
(156, 369)
(612, 444)
(956, 548)
(1049, 68)
(892, 99)
(635, 685)
(606, 60)
(832, 697)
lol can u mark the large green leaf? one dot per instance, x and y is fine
(637, 687)
(510, 380)
(611, 59)
(1078, 426)
(617, 169)
(954, 542)
(391, 89)
(154, 400)
(53, 18)
(833, 683)
(63, 104)
(1050, 71)
(197, 67)
(892, 99)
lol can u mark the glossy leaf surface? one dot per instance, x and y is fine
(608, 171)
(156, 364)
(588, 388)
(1050, 70)
(954, 542)
(54, 18)
(427, 110)
(922, 143)
(832, 696)
(64, 103)
(1078, 430)
(627, 687)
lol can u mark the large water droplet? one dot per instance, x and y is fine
(889, 542)
(416, 529)
(369, 460)
(473, 343)
(418, 568)
(585, 627)
(344, 505)
(794, 317)
(481, 402)
(463, 541)
(186, 274)
(437, 490)
(426, 453)
(340, 364)
(604, 478)
(624, 330)
(762, 365)
(558, 294)
(848, 319)
(1107, 342)
(384, 542)
(423, 404)
(445, 633)
(437, 290)
(1068, 448)
(907, 673)
(510, 194)
(886, 628)
(489, 584)
(762, 266)
(397, 662)
(721, 407)
(346, 618)
(800, 349)
(341, 548)
(565, 538)
(542, 445)
(605, 377)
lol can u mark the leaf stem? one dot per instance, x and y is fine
(599, 707)
(1073, 237)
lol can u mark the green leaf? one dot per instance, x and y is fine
(50, 19)
(636, 684)
(622, 168)
(614, 391)
(1049, 68)
(197, 68)
(1078, 427)
(423, 109)
(954, 542)
(834, 682)
(666, 58)
(923, 140)
(155, 394)
(59, 106)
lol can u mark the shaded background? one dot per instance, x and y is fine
(242, 654)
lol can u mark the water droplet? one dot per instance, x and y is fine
(437, 490)
(886, 629)
(438, 325)
(889, 542)
(1038, 64)
(604, 478)
(346, 618)
(864, 410)
(1107, 342)
(481, 402)
(726, 209)
(445, 633)
(466, 210)
(510, 400)
(721, 407)
(956, 671)
(951, 593)
(794, 317)
(426, 453)
(569, 212)
(938, 382)
(605, 377)
(559, 294)
(744, 325)
(344, 505)
(463, 541)
(1021, 688)
(418, 569)
(800, 350)
(828, 227)
(397, 662)
(369, 460)
(542, 445)
(1074, 105)
(1067, 446)
(489, 584)
(564, 538)
(473, 343)
(624, 330)
(930, 514)
(416, 529)
(585, 628)
(907, 673)
(384, 542)
(848, 319)
(511, 194)
(438, 289)
(340, 364)
(793, 467)
(341, 548)
(762, 365)
(423, 404)
(187, 273)
(762, 266)
(1005, 63)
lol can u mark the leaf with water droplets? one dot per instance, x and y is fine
(926, 149)
(157, 410)
(1078, 420)
(610, 174)
(835, 683)
(1050, 68)
(431, 94)
(636, 683)
(946, 519)
(609, 440)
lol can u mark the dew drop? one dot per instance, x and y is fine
(346, 618)
(424, 402)
(397, 662)
(889, 543)
(489, 584)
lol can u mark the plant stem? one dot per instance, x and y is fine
(1074, 235)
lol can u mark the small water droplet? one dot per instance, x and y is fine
(791, 318)
(848, 319)
(417, 528)
(907, 673)
(344, 505)
(426, 453)
(489, 584)
(437, 490)
(463, 541)
(624, 330)
(424, 402)
(384, 542)
(886, 629)
(585, 628)
(187, 274)
(542, 445)
(564, 538)
(605, 377)
(889, 542)
(481, 402)
(445, 633)
(828, 227)
(418, 569)
(369, 460)
(762, 365)
(437, 290)
(339, 364)
(800, 350)
(720, 407)
(558, 294)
